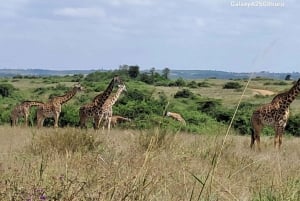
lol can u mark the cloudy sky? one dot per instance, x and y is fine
(239, 36)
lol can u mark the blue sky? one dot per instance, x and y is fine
(179, 34)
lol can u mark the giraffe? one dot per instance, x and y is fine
(53, 107)
(22, 110)
(107, 107)
(275, 114)
(176, 116)
(115, 119)
(94, 109)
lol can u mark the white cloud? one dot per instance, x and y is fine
(81, 12)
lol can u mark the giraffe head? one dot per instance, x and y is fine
(122, 87)
(117, 80)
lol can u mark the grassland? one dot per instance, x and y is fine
(71, 164)
(157, 164)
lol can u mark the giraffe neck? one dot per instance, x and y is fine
(116, 96)
(101, 98)
(293, 93)
(66, 97)
(286, 98)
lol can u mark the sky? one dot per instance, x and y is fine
(234, 36)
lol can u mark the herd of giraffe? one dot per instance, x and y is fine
(101, 106)
(275, 113)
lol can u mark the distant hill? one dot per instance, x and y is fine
(174, 74)
(40, 72)
(202, 74)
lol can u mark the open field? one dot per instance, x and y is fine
(162, 163)
(72, 164)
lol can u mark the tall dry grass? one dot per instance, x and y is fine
(73, 164)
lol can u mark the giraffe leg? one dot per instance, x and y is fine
(255, 135)
(56, 117)
(82, 121)
(97, 121)
(108, 126)
(279, 130)
(26, 120)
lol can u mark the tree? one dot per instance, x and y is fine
(165, 73)
(288, 77)
(133, 71)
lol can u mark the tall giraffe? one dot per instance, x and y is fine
(275, 114)
(53, 107)
(94, 109)
(22, 110)
(107, 107)
(176, 116)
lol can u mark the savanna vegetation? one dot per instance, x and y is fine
(152, 157)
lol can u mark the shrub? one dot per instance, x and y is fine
(192, 84)
(232, 85)
(6, 89)
(203, 84)
(293, 125)
(184, 93)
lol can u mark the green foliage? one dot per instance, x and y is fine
(184, 93)
(276, 83)
(99, 76)
(293, 125)
(69, 116)
(133, 71)
(214, 108)
(178, 83)
(192, 84)
(203, 84)
(6, 89)
(166, 73)
(232, 85)
(40, 90)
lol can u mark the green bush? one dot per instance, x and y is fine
(203, 84)
(232, 85)
(192, 84)
(6, 89)
(184, 93)
(293, 125)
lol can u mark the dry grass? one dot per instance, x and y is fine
(147, 165)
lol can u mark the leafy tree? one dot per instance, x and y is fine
(166, 73)
(288, 77)
(133, 71)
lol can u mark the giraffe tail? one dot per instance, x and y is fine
(11, 122)
(252, 137)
